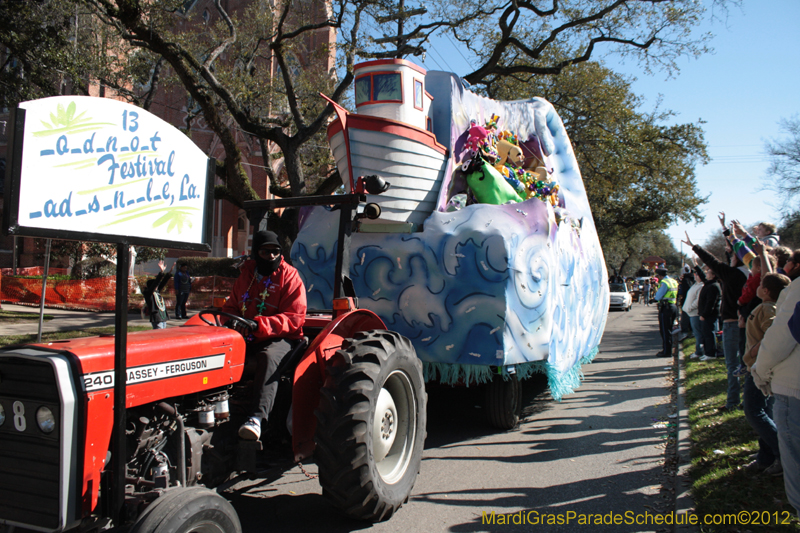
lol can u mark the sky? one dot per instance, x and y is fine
(742, 90)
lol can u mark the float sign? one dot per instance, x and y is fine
(98, 169)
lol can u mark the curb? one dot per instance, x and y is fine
(684, 503)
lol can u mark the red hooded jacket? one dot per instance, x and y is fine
(277, 302)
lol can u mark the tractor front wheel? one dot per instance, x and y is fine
(188, 510)
(371, 425)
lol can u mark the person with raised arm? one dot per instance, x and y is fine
(732, 277)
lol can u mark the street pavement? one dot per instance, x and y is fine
(600, 450)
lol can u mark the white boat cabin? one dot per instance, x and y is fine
(393, 89)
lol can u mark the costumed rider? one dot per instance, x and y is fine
(269, 292)
(667, 297)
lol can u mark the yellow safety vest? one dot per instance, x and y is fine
(671, 296)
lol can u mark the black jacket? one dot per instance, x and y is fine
(709, 299)
(685, 284)
(731, 278)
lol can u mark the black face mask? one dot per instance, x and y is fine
(265, 267)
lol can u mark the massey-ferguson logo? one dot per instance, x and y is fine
(141, 374)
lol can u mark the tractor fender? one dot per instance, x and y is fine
(310, 374)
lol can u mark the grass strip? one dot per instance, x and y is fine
(722, 443)
(7, 340)
(19, 316)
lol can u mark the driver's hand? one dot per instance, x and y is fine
(244, 329)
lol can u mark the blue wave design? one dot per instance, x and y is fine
(487, 285)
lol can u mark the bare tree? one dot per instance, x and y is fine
(785, 161)
(245, 73)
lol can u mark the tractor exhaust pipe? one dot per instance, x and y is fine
(173, 412)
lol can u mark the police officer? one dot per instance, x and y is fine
(667, 297)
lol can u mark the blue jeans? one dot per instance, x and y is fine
(758, 411)
(697, 331)
(730, 345)
(787, 420)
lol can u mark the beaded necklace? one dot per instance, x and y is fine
(263, 295)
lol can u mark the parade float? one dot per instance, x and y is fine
(485, 253)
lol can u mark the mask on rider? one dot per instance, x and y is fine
(266, 264)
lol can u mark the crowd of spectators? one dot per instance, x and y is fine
(748, 303)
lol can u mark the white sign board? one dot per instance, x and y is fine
(104, 167)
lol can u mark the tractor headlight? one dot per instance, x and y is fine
(2, 414)
(45, 419)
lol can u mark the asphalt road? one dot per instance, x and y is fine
(598, 451)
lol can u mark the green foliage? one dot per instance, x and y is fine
(39, 56)
(211, 266)
(145, 254)
(94, 267)
(73, 252)
(624, 256)
(76, 252)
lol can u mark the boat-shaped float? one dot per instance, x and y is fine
(486, 254)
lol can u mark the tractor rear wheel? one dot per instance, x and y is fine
(371, 425)
(188, 510)
(504, 402)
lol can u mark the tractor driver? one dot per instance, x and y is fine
(270, 292)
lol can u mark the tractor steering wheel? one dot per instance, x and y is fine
(233, 322)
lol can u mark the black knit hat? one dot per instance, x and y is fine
(264, 237)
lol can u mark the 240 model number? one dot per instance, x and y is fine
(98, 380)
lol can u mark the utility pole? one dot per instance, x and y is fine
(401, 40)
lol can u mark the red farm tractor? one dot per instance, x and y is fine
(352, 396)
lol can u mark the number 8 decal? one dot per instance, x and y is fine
(19, 416)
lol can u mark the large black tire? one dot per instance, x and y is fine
(188, 510)
(504, 402)
(371, 425)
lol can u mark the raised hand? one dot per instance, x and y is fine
(161, 265)
(722, 219)
(688, 240)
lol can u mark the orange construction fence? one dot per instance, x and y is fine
(99, 294)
